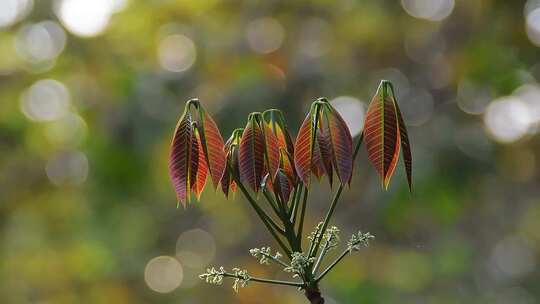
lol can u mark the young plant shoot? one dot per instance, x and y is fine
(274, 174)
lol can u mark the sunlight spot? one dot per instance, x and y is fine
(433, 10)
(417, 107)
(352, 110)
(472, 99)
(177, 53)
(163, 274)
(42, 41)
(507, 119)
(513, 257)
(12, 11)
(265, 35)
(195, 248)
(45, 100)
(530, 95)
(69, 130)
(85, 18)
(67, 168)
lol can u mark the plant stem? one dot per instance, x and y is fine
(267, 281)
(321, 256)
(357, 147)
(313, 294)
(318, 237)
(276, 260)
(271, 202)
(334, 263)
(294, 210)
(302, 216)
(264, 217)
(316, 243)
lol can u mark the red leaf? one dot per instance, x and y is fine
(286, 164)
(381, 133)
(317, 166)
(272, 151)
(282, 186)
(180, 157)
(202, 169)
(231, 152)
(303, 149)
(405, 147)
(275, 120)
(251, 155)
(325, 147)
(340, 142)
(212, 143)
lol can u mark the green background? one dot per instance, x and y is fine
(86, 122)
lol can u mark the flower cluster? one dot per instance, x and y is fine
(358, 240)
(299, 262)
(213, 276)
(241, 278)
(264, 254)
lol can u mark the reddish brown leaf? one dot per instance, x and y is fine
(381, 134)
(212, 144)
(201, 168)
(303, 149)
(325, 148)
(340, 142)
(251, 155)
(275, 120)
(282, 186)
(317, 166)
(225, 183)
(286, 164)
(272, 151)
(405, 146)
(231, 151)
(180, 158)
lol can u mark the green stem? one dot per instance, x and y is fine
(302, 216)
(357, 148)
(272, 203)
(341, 256)
(267, 281)
(316, 242)
(294, 211)
(322, 255)
(263, 216)
(276, 260)
(318, 236)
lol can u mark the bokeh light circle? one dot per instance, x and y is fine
(45, 100)
(433, 10)
(177, 53)
(352, 110)
(67, 168)
(507, 119)
(12, 11)
(85, 18)
(40, 42)
(196, 248)
(163, 274)
(265, 35)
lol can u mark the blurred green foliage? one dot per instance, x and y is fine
(88, 110)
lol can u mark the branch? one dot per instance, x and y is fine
(355, 243)
(341, 256)
(316, 243)
(332, 240)
(263, 216)
(302, 215)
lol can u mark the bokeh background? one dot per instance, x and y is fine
(90, 91)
